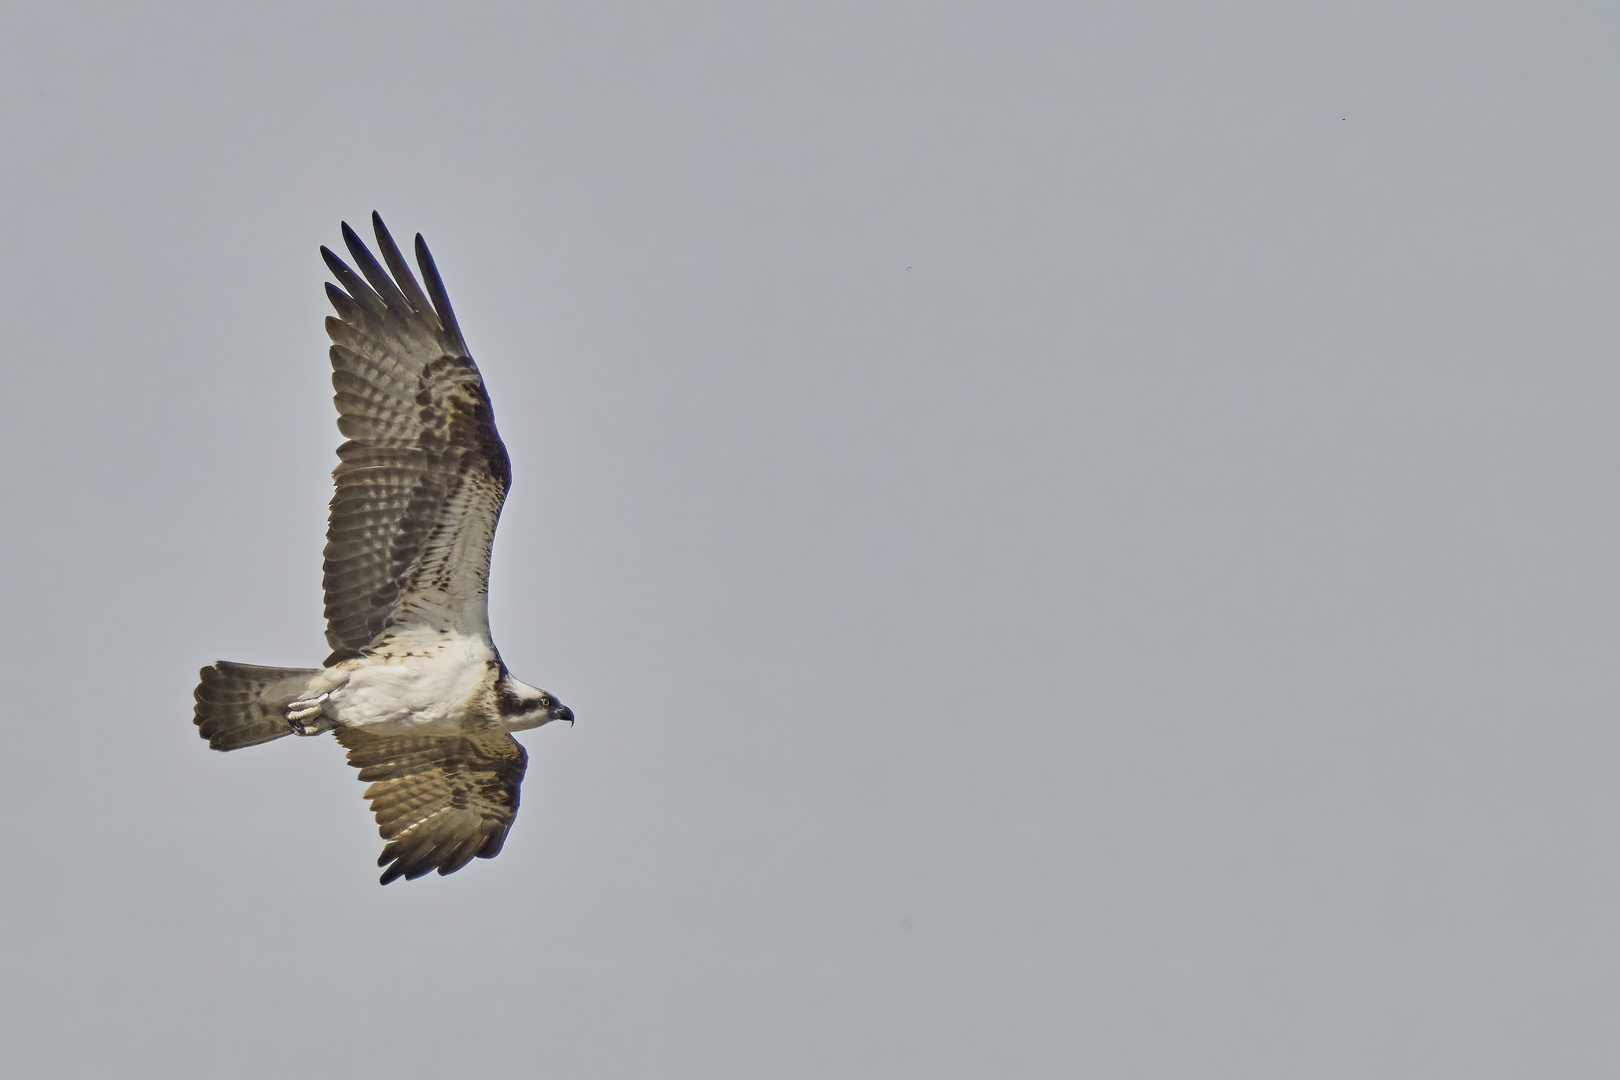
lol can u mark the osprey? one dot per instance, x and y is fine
(415, 688)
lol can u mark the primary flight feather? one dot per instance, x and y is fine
(414, 689)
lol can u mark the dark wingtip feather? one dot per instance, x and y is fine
(492, 846)
(375, 274)
(441, 299)
(342, 303)
(400, 268)
(393, 863)
(460, 855)
(333, 263)
(352, 283)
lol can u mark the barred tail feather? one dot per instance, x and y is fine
(244, 704)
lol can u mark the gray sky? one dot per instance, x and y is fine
(1080, 536)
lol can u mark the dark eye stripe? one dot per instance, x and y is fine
(509, 703)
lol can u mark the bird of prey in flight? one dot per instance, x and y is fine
(415, 689)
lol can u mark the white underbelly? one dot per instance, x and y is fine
(421, 692)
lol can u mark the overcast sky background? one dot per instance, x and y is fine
(1081, 537)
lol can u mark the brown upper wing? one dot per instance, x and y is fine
(423, 465)
(439, 802)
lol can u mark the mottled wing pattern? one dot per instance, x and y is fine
(423, 471)
(440, 802)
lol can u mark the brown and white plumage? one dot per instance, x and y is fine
(422, 441)
(414, 687)
(439, 802)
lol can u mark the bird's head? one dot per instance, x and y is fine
(523, 706)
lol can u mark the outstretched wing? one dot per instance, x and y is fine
(439, 802)
(421, 480)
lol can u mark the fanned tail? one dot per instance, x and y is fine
(244, 704)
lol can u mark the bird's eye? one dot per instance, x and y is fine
(545, 702)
